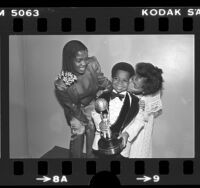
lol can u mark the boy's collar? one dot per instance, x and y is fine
(123, 92)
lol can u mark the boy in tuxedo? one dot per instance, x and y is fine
(122, 105)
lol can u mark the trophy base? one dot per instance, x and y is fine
(111, 146)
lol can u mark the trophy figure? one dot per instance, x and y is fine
(108, 144)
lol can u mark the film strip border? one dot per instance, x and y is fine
(114, 25)
(96, 21)
(91, 25)
(81, 172)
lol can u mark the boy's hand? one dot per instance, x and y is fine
(103, 126)
(124, 137)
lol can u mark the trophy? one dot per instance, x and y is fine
(108, 144)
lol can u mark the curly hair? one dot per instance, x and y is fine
(69, 53)
(154, 80)
(123, 66)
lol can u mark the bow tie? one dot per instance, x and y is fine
(120, 96)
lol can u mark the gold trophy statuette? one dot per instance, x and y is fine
(108, 143)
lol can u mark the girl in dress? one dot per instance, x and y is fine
(76, 88)
(147, 85)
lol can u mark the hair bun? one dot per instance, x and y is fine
(158, 70)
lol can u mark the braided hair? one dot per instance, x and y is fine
(69, 53)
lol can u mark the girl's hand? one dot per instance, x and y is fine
(124, 137)
(158, 113)
(142, 104)
(60, 85)
(77, 126)
(99, 93)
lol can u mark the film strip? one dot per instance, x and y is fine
(27, 33)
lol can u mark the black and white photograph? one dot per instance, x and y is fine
(0, 97)
(101, 96)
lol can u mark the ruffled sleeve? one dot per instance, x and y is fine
(153, 103)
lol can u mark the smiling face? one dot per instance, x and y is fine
(120, 81)
(137, 83)
(80, 62)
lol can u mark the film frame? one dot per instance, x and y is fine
(182, 171)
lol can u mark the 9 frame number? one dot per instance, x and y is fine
(156, 178)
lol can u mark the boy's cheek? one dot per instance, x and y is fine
(114, 85)
(130, 86)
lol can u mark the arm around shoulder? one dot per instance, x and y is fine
(103, 82)
(135, 126)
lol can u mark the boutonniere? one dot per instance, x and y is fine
(67, 77)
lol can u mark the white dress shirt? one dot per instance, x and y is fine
(115, 106)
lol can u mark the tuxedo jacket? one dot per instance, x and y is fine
(127, 114)
(128, 111)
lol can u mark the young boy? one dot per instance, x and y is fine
(122, 105)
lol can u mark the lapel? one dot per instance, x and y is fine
(124, 109)
(133, 110)
(116, 127)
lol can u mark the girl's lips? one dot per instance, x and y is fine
(82, 68)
